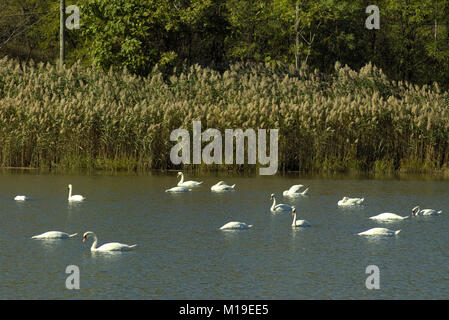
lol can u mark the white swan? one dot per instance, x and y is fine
(74, 198)
(417, 211)
(298, 223)
(222, 186)
(379, 232)
(21, 198)
(54, 235)
(350, 201)
(387, 216)
(234, 225)
(112, 246)
(187, 184)
(294, 191)
(178, 189)
(279, 207)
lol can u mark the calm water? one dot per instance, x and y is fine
(182, 253)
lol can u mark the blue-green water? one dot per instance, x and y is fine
(182, 254)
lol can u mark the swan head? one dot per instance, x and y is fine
(345, 198)
(69, 186)
(293, 211)
(179, 173)
(272, 196)
(87, 235)
(415, 210)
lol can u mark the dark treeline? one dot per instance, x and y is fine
(411, 44)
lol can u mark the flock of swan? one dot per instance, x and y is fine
(55, 235)
(294, 191)
(386, 217)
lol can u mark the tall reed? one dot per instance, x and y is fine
(85, 118)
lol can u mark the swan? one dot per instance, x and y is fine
(279, 207)
(222, 186)
(379, 232)
(112, 246)
(187, 184)
(350, 201)
(21, 198)
(417, 211)
(234, 225)
(294, 191)
(178, 189)
(388, 217)
(75, 197)
(54, 235)
(298, 223)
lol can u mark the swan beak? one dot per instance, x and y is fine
(84, 239)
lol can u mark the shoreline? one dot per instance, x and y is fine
(435, 175)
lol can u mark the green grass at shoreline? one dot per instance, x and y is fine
(83, 118)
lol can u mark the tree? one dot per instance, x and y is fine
(19, 21)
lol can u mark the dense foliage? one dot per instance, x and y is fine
(412, 43)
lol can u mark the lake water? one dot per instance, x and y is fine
(182, 254)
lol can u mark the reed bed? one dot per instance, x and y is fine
(82, 117)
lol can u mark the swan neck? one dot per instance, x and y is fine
(182, 178)
(294, 220)
(70, 192)
(274, 203)
(94, 245)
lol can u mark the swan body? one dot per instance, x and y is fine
(379, 232)
(178, 189)
(388, 217)
(298, 223)
(294, 191)
(222, 186)
(54, 235)
(20, 198)
(74, 198)
(112, 246)
(350, 201)
(279, 207)
(234, 225)
(417, 211)
(188, 184)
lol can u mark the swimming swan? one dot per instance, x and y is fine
(298, 223)
(112, 246)
(294, 191)
(388, 217)
(20, 198)
(379, 232)
(54, 235)
(279, 207)
(234, 225)
(222, 186)
(417, 211)
(350, 201)
(178, 189)
(74, 198)
(187, 184)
